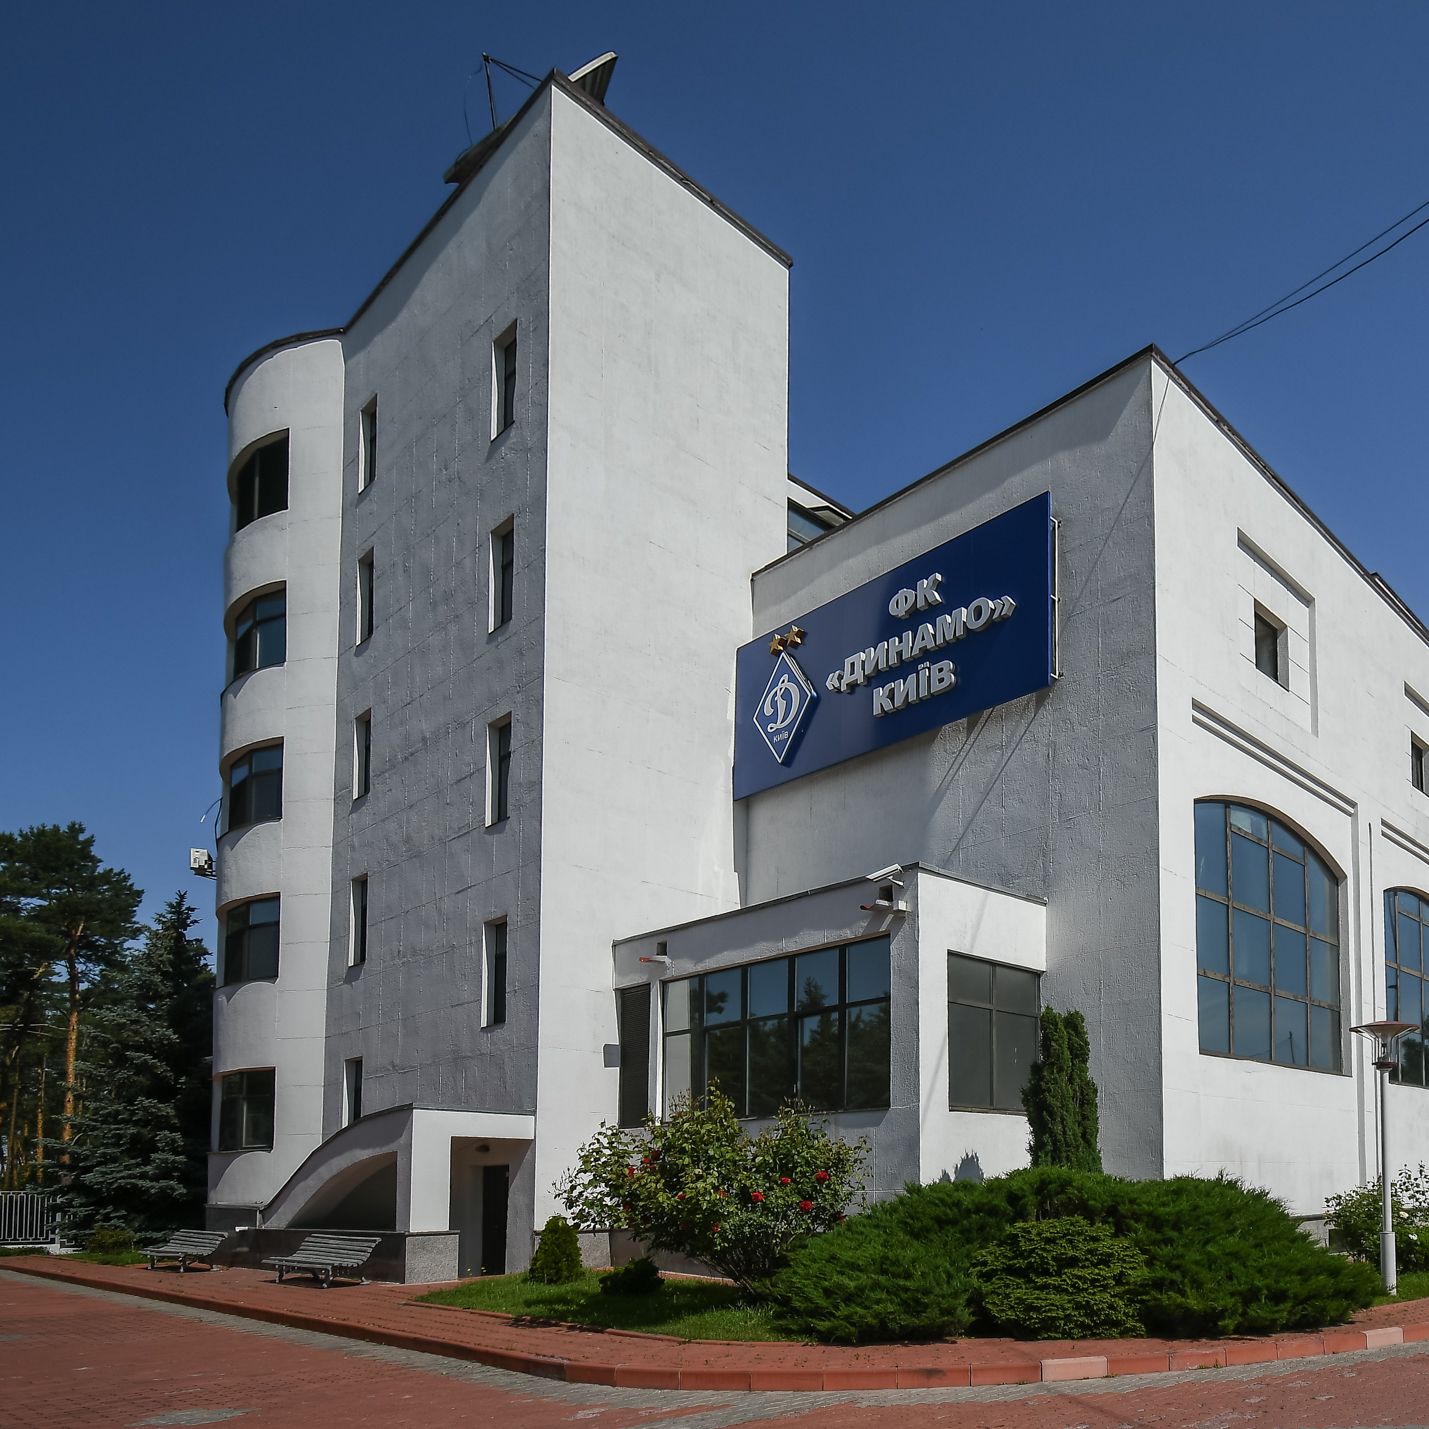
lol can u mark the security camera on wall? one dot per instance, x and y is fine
(886, 875)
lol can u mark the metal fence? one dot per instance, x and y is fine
(27, 1218)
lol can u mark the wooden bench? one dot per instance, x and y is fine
(322, 1256)
(186, 1247)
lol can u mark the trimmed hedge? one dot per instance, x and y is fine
(1219, 1258)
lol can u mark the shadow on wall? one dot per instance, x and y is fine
(969, 1168)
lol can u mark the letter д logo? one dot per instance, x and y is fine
(784, 707)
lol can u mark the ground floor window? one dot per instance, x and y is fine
(992, 1032)
(245, 1111)
(1406, 966)
(812, 1028)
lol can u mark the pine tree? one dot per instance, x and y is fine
(137, 1152)
(1060, 1097)
(64, 917)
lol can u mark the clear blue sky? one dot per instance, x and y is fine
(986, 204)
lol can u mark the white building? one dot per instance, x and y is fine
(498, 541)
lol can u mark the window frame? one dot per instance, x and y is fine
(244, 1098)
(1279, 842)
(358, 925)
(501, 575)
(1418, 764)
(498, 770)
(1270, 628)
(236, 816)
(366, 597)
(253, 474)
(237, 967)
(261, 627)
(993, 1007)
(361, 755)
(1411, 905)
(695, 1033)
(367, 446)
(351, 1090)
(503, 382)
(496, 957)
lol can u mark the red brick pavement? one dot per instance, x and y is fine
(83, 1362)
(385, 1314)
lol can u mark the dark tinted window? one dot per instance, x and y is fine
(245, 1111)
(250, 941)
(1406, 970)
(260, 484)
(992, 1032)
(812, 1028)
(1267, 941)
(255, 787)
(260, 633)
(633, 1016)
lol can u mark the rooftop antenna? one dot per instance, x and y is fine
(487, 61)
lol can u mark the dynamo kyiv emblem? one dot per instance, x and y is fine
(784, 707)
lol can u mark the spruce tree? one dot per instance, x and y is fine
(1060, 1097)
(137, 1153)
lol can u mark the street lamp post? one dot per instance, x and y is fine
(1384, 1035)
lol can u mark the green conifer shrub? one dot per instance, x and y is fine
(109, 1240)
(558, 1254)
(1060, 1279)
(1219, 1259)
(639, 1277)
(1060, 1097)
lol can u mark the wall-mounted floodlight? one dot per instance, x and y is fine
(1384, 1035)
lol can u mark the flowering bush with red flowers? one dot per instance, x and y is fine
(698, 1184)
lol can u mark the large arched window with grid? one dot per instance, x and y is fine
(1406, 967)
(1267, 941)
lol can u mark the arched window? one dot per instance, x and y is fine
(1406, 966)
(1267, 941)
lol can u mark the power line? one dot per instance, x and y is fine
(1283, 305)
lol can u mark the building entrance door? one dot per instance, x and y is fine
(495, 1188)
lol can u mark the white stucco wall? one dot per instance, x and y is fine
(667, 473)
(1329, 755)
(280, 1024)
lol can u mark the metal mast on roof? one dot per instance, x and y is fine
(487, 61)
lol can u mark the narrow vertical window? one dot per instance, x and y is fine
(367, 442)
(633, 1017)
(365, 594)
(498, 770)
(495, 991)
(351, 1090)
(1419, 765)
(1270, 648)
(503, 573)
(362, 755)
(357, 949)
(260, 482)
(504, 371)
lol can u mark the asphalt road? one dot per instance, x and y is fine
(74, 1357)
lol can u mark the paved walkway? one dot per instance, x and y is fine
(385, 1314)
(84, 1359)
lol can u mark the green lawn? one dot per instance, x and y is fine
(1413, 1285)
(691, 1309)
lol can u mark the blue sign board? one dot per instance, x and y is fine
(957, 630)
